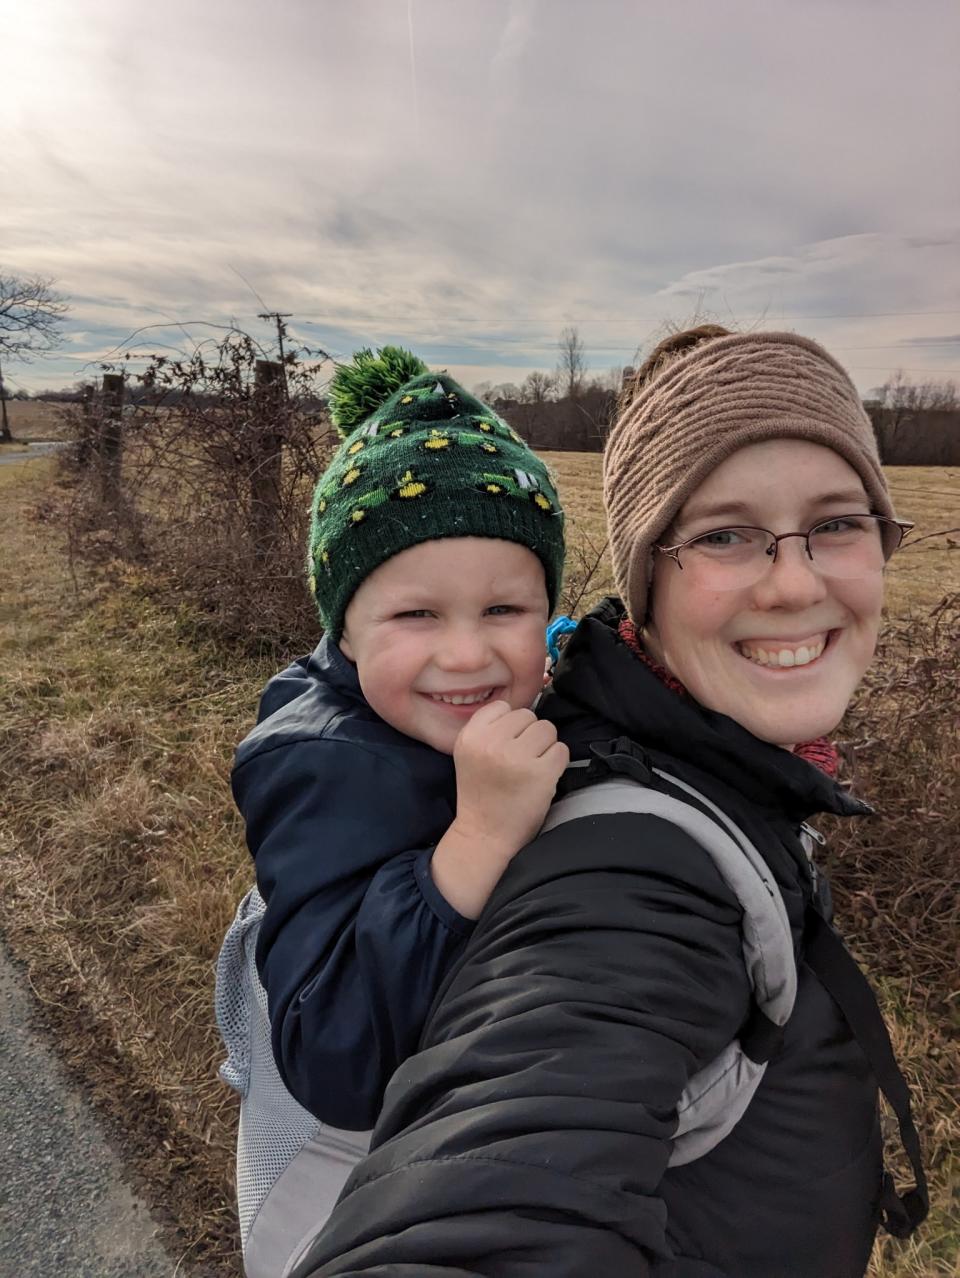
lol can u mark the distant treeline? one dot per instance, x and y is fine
(577, 424)
(923, 437)
(907, 434)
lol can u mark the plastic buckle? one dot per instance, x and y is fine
(622, 757)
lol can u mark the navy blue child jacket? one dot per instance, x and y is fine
(342, 814)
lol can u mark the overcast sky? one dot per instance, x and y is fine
(467, 177)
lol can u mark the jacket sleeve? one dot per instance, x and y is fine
(531, 1132)
(355, 938)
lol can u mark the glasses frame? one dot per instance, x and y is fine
(903, 526)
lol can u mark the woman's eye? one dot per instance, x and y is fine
(848, 523)
(720, 537)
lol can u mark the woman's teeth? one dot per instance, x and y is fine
(457, 700)
(783, 658)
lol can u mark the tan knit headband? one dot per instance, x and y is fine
(704, 405)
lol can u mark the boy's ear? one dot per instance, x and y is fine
(346, 648)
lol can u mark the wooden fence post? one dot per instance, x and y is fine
(6, 436)
(111, 436)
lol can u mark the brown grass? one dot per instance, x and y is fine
(31, 419)
(123, 858)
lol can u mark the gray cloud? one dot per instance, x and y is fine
(953, 339)
(610, 165)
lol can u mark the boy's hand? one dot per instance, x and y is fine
(508, 763)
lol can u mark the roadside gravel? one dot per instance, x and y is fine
(65, 1208)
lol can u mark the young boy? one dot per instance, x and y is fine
(391, 777)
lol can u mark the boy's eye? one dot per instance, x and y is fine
(414, 613)
(503, 610)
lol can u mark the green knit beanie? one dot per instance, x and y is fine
(421, 459)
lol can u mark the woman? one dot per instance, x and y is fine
(534, 1133)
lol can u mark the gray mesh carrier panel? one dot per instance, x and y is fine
(290, 1167)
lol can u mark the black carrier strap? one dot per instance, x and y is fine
(761, 1038)
(838, 972)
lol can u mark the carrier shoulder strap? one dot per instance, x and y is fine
(717, 1096)
(840, 975)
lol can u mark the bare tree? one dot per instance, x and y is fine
(610, 380)
(30, 317)
(901, 403)
(538, 387)
(503, 393)
(901, 395)
(572, 365)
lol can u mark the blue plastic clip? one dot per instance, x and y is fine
(558, 627)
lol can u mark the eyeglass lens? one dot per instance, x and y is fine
(847, 547)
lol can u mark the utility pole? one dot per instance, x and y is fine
(279, 317)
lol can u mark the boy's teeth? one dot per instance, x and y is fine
(458, 700)
(783, 657)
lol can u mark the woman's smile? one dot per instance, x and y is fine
(784, 654)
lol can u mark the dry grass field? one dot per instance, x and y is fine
(121, 858)
(34, 420)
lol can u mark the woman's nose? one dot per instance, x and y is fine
(792, 580)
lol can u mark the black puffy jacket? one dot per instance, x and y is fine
(530, 1135)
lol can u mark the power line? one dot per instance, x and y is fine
(868, 314)
(924, 368)
(240, 275)
(895, 346)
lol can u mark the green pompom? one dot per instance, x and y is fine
(359, 388)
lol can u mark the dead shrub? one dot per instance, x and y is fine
(897, 878)
(214, 487)
(896, 885)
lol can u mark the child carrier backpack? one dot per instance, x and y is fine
(620, 778)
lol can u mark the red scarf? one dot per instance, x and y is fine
(822, 753)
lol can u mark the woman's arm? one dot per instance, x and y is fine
(531, 1132)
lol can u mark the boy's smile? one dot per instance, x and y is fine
(444, 628)
(463, 700)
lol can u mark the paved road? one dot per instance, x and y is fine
(29, 451)
(65, 1209)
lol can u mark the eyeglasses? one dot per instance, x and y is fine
(844, 546)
